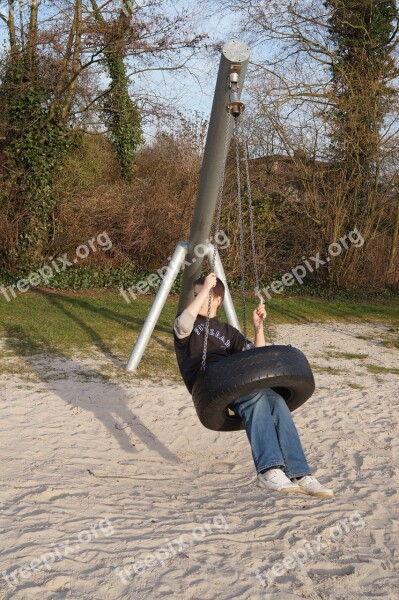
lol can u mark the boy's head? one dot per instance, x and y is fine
(216, 298)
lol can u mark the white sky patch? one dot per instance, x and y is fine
(189, 90)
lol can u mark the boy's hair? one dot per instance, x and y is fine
(218, 290)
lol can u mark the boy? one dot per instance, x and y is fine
(276, 448)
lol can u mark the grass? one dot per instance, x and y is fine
(346, 355)
(328, 370)
(377, 370)
(20, 370)
(62, 322)
(356, 386)
(391, 339)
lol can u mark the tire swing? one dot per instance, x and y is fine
(285, 369)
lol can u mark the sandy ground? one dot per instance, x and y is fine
(113, 489)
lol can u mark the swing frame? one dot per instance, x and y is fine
(282, 367)
(230, 81)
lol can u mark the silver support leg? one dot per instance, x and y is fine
(228, 305)
(158, 304)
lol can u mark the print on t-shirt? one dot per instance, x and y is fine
(201, 328)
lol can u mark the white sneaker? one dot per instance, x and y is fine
(275, 479)
(310, 485)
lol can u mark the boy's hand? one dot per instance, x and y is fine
(259, 315)
(210, 281)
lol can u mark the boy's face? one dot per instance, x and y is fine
(215, 303)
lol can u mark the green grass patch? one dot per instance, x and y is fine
(63, 322)
(7, 368)
(391, 343)
(346, 355)
(391, 338)
(356, 386)
(328, 370)
(377, 370)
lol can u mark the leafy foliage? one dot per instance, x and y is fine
(122, 116)
(34, 147)
(363, 34)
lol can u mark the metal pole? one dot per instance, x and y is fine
(158, 304)
(228, 305)
(232, 69)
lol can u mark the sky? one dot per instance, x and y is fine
(193, 88)
(190, 90)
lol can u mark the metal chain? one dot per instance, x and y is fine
(252, 231)
(217, 226)
(241, 222)
(251, 216)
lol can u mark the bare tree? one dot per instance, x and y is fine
(50, 86)
(323, 81)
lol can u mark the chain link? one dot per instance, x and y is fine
(252, 232)
(241, 222)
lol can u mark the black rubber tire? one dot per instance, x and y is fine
(282, 368)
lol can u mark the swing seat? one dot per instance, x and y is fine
(285, 369)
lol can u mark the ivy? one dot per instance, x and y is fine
(34, 148)
(121, 115)
(363, 35)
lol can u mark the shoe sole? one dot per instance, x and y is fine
(285, 490)
(317, 494)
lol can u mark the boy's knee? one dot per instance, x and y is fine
(275, 397)
(249, 401)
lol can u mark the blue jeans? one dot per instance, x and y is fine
(271, 432)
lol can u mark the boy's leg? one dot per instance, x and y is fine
(296, 464)
(254, 410)
(271, 432)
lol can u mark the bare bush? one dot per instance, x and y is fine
(144, 219)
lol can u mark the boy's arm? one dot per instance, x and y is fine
(259, 315)
(194, 307)
(259, 337)
(239, 342)
(184, 323)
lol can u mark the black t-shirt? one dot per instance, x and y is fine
(223, 340)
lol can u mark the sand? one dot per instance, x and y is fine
(111, 488)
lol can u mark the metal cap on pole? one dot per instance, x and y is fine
(229, 84)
